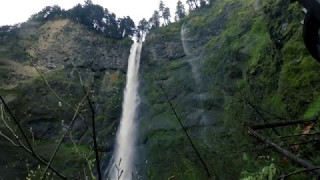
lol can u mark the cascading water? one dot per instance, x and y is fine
(194, 60)
(122, 166)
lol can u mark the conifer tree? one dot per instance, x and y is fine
(161, 8)
(203, 3)
(88, 2)
(143, 28)
(180, 11)
(193, 4)
(154, 21)
(166, 16)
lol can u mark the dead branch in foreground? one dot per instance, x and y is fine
(94, 137)
(280, 124)
(92, 133)
(283, 151)
(19, 143)
(57, 96)
(184, 129)
(283, 177)
(257, 111)
(43, 176)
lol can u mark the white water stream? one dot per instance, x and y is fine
(193, 58)
(123, 162)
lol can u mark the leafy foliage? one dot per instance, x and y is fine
(267, 173)
(166, 16)
(93, 16)
(49, 13)
(180, 11)
(313, 110)
(154, 21)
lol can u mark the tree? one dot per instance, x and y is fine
(94, 15)
(180, 11)
(193, 4)
(203, 3)
(49, 13)
(110, 28)
(90, 15)
(143, 28)
(88, 2)
(154, 21)
(76, 13)
(126, 27)
(190, 4)
(161, 8)
(166, 16)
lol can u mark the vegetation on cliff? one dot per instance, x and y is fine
(232, 63)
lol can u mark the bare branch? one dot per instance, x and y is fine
(29, 150)
(63, 136)
(280, 124)
(86, 157)
(9, 139)
(284, 138)
(283, 177)
(282, 151)
(181, 124)
(257, 111)
(57, 96)
(95, 144)
(18, 124)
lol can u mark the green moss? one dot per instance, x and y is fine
(172, 162)
(259, 57)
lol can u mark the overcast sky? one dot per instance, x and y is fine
(16, 11)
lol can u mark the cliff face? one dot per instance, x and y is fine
(61, 50)
(223, 65)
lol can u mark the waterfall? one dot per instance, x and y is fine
(122, 166)
(192, 56)
(194, 60)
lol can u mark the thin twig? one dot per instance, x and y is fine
(184, 129)
(57, 96)
(86, 157)
(18, 124)
(94, 137)
(304, 142)
(95, 144)
(280, 124)
(282, 151)
(62, 137)
(3, 114)
(283, 177)
(9, 139)
(29, 150)
(284, 138)
(257, 111)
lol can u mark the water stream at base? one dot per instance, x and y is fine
(122, 163)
